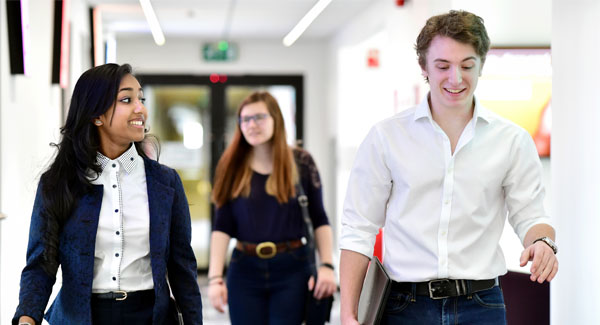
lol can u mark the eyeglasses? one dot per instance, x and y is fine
(258, 118)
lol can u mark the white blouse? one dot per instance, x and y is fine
(122, 256)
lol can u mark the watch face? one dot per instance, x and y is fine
(550, 243)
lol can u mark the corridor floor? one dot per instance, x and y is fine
(212, 317)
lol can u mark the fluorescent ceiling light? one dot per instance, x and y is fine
(303, 24)
(157, 33)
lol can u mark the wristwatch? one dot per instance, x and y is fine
(549, 242)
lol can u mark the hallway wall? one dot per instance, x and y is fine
(29, 119)
(575, 175)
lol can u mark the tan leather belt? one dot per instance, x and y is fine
(268, 249)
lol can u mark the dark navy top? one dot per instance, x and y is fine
(259, 217)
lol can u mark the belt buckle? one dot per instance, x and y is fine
(438, 285)
(266, 245)
(124, 293)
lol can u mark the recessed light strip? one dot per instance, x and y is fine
(65, 40)
(157, 34)
(303, 24)
(97, 39)
(25, 35)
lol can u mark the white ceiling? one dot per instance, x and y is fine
(209, 18)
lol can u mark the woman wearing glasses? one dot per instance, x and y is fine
(255, 197)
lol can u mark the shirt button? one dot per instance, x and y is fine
(118, 233)
(131, 158)
(114, 165)
(117, 255)
(114, 186)
(114, 278)
(116, 210)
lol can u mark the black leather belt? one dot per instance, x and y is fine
(445, 288)
(122, 295)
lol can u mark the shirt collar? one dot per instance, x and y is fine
(423, 110)
(481, 112)
(128, 159)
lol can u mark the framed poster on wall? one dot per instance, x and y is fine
(516, 83)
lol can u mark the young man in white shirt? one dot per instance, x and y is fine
(442, 178)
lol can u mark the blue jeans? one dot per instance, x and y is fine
(268, 291)
(482, 308)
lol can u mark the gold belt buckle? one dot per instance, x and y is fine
(124, 293)
(266, 245)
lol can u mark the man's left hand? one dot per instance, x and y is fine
(544, 262)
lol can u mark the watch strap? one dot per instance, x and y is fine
(548, 242)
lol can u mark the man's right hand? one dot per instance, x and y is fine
(217, 293)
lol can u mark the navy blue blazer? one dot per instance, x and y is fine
(170, 250)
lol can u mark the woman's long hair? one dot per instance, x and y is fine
(68, 177)
(233, 173)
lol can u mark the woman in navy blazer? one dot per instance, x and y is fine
(106, 119)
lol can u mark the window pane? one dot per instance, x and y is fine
(180, 117)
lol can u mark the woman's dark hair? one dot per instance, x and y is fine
(68, 176)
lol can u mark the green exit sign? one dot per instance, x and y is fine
(220, 51)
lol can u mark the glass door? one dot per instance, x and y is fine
(180, 117)
(194, 119)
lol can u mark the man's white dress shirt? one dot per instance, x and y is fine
(122, 256)
(443, 213)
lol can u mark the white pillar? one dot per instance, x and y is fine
(576, 160)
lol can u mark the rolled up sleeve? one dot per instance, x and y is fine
(523, 187)
(367, 195)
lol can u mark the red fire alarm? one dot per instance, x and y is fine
(399, 3)
(373, 58)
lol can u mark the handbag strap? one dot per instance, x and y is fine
(308, 226)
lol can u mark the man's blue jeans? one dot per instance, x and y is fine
(482, 308)
(268, 291)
